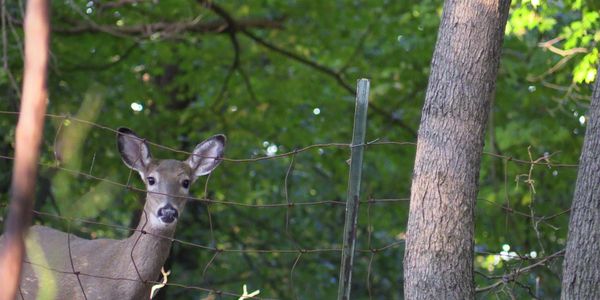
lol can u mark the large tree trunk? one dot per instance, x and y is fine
(438, 263)
(581, 270)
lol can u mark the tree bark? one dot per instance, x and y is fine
(438, 262)
(581, 269)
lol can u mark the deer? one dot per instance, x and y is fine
(120, 269)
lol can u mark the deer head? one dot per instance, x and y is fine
(167, 181)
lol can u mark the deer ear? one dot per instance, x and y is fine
(134, 150)
(207, 155)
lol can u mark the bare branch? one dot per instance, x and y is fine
(559, 65)
(248, 84)
(550, 46)
(518, 272)
(146, 30)
(321, 68)
(231, 22)
(332, 73)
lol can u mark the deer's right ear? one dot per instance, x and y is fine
(134, 150)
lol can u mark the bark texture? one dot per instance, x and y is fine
(581, 269)
(438, 262)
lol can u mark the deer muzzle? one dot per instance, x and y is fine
(168, 214)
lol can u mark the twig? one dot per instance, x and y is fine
(516, 273)
(550, 46)
(329, 72)
(553, 69)
(321, 68)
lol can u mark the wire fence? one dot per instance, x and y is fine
(498, 282)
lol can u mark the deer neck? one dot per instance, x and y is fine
(149, 246)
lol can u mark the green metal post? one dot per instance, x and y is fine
(356, 158)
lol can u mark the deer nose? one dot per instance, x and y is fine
(167, 214)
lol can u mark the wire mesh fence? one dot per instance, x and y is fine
(372, 280)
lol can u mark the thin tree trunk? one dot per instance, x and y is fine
(28, 140)
(581, 269)
(438, 262)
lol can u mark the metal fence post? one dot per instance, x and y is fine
(354, 179)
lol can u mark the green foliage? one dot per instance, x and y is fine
(183, 81)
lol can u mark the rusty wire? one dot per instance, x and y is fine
(288, 204)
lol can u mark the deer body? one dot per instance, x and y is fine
(121, 269)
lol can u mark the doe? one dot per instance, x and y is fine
(120, 269)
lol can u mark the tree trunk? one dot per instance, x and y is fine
(581, 269)
(438, 262)
(29, 133)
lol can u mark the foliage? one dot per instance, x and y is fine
(188, 84)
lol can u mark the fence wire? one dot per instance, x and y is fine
(499, 282)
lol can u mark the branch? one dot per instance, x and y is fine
(561, 63)
(332, 73)
(566, 56)
(550, 46)
(146, 30)
(233, 27)
(321, 68)
(231, 22)
(248, 84)
(512, 276)
(217, 26)
(234, 66)
(359, 45)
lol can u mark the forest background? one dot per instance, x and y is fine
(278, 76)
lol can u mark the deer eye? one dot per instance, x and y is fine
(151, 180)
(185, 183)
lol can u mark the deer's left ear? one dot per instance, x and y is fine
(207, 155)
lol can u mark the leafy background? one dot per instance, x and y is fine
(282, 79)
